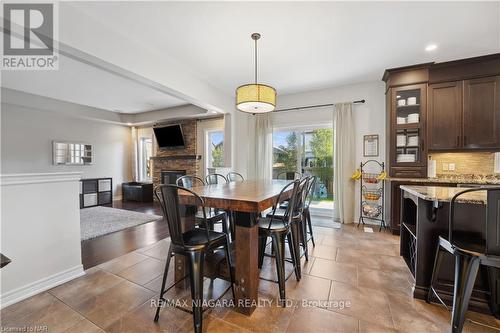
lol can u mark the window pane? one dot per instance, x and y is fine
(309, 152)
(145, 153)
(216, 146)
(285, 152)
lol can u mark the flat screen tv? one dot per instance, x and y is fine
(169, 136)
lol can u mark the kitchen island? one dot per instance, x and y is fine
(424, 217)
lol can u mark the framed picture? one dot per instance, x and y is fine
(370, 145)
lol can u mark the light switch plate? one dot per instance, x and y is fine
(451, 167)
(445, 166)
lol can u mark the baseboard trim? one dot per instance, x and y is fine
(39, 286)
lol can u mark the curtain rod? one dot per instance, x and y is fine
(361, 101)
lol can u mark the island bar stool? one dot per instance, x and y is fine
(278, 229)
(213, 216)
(469, 254)
(235, 177)
(195, 244)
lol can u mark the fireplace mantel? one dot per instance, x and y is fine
(177, 157)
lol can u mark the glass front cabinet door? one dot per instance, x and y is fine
(408, 120)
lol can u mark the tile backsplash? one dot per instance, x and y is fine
(477, 163)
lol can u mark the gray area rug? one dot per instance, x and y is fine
(98, 221)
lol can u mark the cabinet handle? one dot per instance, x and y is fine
(423, 145)
(458, 140)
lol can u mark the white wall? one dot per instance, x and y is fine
(369, 119)
(27, 133)
(40, 233)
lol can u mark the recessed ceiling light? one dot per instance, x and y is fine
(129, 124)
(431, 47)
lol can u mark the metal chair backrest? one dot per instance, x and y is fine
(302, 195)
(234, 177)
(310, 191)
(292, 202)
(215, 178)
(289, 175)
(492, 218)
(190, 181)
(168, 196)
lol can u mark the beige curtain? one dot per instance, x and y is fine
(344, 163)
(263, 158)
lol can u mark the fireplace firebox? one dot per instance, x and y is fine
(170, 176)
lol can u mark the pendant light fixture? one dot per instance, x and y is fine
(255, 97)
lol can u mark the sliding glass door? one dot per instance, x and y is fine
(309, 151)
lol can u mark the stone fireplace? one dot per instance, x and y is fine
(169, 164)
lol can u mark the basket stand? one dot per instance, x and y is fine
(372, 193)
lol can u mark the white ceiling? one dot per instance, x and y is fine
(305, 45)
(85, 84)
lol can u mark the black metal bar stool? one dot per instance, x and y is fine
(212, 215)
(289, 175)
(235, 177)
(298, 227)
(195, 244)
(307, 213)
(278, 229)
(215, 178)
(469, 254)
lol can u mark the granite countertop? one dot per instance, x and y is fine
(452, 179)
(445, 194)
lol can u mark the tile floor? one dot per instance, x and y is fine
(361, 275)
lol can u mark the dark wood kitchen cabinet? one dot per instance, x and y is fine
(464, 115)
(444, 119)
(481, 113)
(406, 103)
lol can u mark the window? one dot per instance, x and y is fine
(308, 151)
(145, 153)
(215, 141)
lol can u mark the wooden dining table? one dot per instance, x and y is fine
(246, 199)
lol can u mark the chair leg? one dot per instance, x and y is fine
(435, 271)
(303, 231)
(296, 231)
(196, 261)
(279, 249)
(230, 266)
(492, 275)
(309, 223)
(262, 250)
(466, 268)
(211, 225)
(295, 260)
(224, 226)
(231, 225)
(162, 291)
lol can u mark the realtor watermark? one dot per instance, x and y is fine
(38, 328)
(30, 34)
(339, 304)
